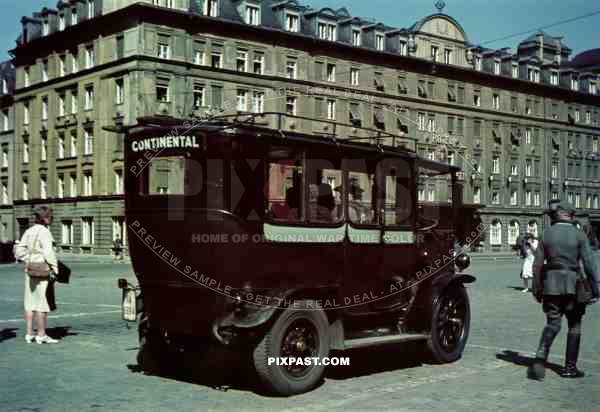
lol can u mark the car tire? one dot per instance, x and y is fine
(450, 322)
(150, 356)
(303, 329)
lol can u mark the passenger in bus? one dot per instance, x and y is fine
(356, 211)
(321, 200)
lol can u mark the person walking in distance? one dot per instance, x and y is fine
(36, 246)
(530, 244)
(563, 249)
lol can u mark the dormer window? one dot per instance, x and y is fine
(515, 71)
(252, 15)
(496, 67)
(477, 60)
(448, 56)
(434, 53)
(73, 17)
(379, 41)
(533, 75)
(554, 78)
(45, 28)
(90, 9)
(327, 31)
(356, 37)
(292, 22)
(211, 8)
(403, 48)
(574, 83)
(61, 22)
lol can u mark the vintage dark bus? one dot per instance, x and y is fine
(290, 245)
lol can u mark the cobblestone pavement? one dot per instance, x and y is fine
(94, 366)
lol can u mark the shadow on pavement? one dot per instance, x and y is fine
(520, 360)
(369, 361)
(60, 332)
(519, 288)
(8, 333)
(225, 370)
(220, 370)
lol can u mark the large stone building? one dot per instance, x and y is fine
(524, 125)
(7, 138)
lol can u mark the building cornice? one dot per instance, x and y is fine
(138, 13)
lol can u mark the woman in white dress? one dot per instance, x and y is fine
(531, 244)
(36, 246)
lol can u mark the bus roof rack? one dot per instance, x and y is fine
(372, 136)
(251, 122)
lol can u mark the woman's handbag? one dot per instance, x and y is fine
(583, 290)
(38, 270)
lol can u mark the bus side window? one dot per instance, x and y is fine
(398, 201)
(361, 198)
(325, 197)
(284, 191)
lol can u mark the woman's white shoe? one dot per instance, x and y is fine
(29, 338)
(45, 339)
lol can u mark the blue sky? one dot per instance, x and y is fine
(483, 20)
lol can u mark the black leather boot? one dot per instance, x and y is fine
(570, 370)
(537, 370)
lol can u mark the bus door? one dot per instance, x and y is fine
(395, 178)
(363, 264)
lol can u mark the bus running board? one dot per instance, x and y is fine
(383, 340)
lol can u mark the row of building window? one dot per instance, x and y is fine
(514, 230)
(73, 96)
(62, 68)
(72, 19)
(327, 30)
(62, 190)
(327, 72)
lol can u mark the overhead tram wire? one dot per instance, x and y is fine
(547, 26)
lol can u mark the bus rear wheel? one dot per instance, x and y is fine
(281, 359)
(449, 325)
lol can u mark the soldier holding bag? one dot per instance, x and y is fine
(560, 286)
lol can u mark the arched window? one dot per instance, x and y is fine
(532, 228)
(496, 233)
(513, 232)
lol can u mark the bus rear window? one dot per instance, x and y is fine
(166, 176)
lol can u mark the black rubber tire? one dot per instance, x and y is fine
(151, 354)
(436, 350)
(149, 357)
(274, 377)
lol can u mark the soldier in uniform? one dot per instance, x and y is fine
(563, 248)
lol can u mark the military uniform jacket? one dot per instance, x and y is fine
(562, 253)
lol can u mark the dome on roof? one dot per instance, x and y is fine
(440, 24)
(586, 59)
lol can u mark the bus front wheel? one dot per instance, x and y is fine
(449, 325)
(288, 359)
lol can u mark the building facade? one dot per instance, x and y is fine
(7, 138)
(524, 125)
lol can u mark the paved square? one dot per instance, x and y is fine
(94, 366)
